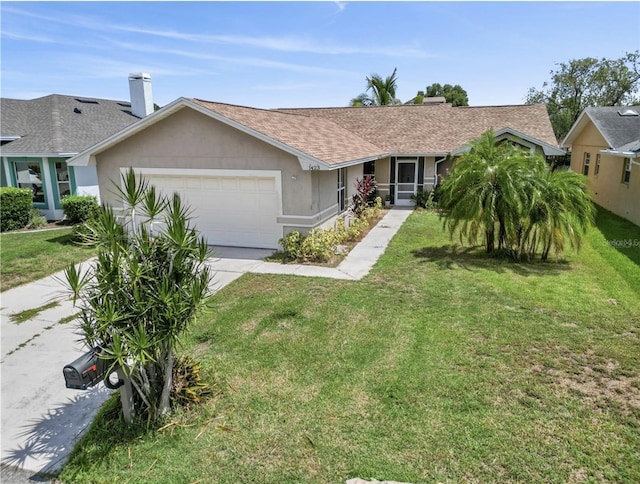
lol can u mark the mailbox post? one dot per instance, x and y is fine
(89, 369)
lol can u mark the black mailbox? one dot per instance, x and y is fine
(86, 371)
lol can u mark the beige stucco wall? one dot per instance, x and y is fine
(428, 181)
(188, 139)
(606, 187)
(383, 167)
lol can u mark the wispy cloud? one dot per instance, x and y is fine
(280, 44)
(236, 60)
(341, 6)
(277, 44)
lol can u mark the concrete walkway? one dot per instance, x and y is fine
(41, 419)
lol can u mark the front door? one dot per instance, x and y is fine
(406, 175)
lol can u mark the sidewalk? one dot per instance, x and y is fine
(41, 419)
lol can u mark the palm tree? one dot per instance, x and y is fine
(560, 211)
(383, 91)
(515, 201)
(477, 194)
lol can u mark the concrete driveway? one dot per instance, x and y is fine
(41, 419)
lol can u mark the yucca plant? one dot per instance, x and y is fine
(148, 283)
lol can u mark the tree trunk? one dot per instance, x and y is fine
(126, 397)
(165, 401)
(489, 242)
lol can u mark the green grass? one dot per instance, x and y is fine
(31, 313)
(28, 256)
(440, 366)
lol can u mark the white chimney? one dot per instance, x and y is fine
(140, 92)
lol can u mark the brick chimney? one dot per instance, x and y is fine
(140, 92)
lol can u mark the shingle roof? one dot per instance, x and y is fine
(50, 125)
(618, 130)
(321, 138)
(439, 128)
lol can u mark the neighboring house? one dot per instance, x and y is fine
(254, 175)
(38, 136)
(604, 144)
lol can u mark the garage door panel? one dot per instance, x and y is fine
(229, 210)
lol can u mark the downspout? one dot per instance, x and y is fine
(435, 175)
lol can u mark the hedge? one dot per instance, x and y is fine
(15, 207)
(79, 208)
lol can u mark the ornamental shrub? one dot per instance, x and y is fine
(291, 245)
(319, 245)
(15, 208)
(79, 208)
(36, 220)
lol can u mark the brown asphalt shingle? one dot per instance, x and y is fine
(337, 135)
(439, 128)
(321, 138)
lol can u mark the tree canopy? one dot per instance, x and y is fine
(379, 91)
(588, 82)
(455, 95)
(514, 201)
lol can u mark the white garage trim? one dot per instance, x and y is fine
(234, 207)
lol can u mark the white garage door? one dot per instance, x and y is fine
(237, 211)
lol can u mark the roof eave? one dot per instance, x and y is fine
(622, 154)
(578, 126)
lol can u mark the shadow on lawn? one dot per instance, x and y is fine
(452, 256)
(621, 234)
(67, 239)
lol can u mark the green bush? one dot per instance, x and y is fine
(357, 228)
(36, 220)
(428, 200)
(291, 245)
(15, 208)
(79, 208)
(319, 245)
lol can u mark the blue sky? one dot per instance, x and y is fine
(294, 54)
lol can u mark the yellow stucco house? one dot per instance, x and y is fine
(604, 144)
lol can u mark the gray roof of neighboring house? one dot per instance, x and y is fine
(60, 124)
(632, 146)
(616, 129)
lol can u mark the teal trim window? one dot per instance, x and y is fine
(28, 173)
(341, 190)
(61, 178)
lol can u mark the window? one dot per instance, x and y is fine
(369, 169)
(62, 178)
(626, 171)
(585, 164)
(597, 168)
(341, 190)
(29, 175)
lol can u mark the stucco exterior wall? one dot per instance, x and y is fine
(382, 176)
(606, 188)
(188, 139)
(429, 173)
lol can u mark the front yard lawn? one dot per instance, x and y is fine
(441, 366)
(27, 256)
